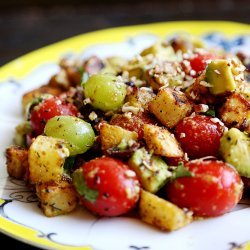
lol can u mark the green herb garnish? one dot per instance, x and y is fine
(68, 164)
(181, 171)
(210, 112)
(81, 187)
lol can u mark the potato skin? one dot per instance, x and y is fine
(46, 158)
(112, 135)
(17, 161)
(236, 112)
(162, 213)
(161, 141)
(56, 198)
(170, 106)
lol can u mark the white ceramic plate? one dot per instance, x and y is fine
(20, 216)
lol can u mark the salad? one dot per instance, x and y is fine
(163, 136)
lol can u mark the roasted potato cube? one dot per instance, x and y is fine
(56, 198)
(46, 158)
(112, 135)
(162, 213)
(140, 97)
(17, 161)
(161, 141)
(236, 112)
(244, 90)
(170, 106)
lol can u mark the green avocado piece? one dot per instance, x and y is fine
(151, 170)
(235, 149)
(219, 75)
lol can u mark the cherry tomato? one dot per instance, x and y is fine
(199, 61)
(135, 122)
(109, 187)
(199, 135)
(214, 189)
(47, 109)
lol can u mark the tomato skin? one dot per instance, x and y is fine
(214, 189)
(47, 109)
(199, 62)
(199, 136)
(117, 186)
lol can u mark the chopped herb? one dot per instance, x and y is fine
(210, 112)
(69, 163)
(81, 187)
(80, 70)
(181, 171)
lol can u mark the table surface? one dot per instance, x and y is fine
(28, 28)
(25, 27)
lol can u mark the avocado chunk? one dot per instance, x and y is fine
(235, 149)
(151, 170)
(219, 75)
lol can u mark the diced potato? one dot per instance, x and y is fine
(60, 80)
(56, 198)
(46, 158)
(244, 90)
(161, 141)
(17, 161)
(236, 112)
(112, 135)
(140, 97)
(170, 106)
(162, 213)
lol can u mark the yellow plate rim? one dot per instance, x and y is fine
(23, 65)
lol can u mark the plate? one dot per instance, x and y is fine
(20, 216)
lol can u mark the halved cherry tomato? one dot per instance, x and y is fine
(214, 189)
(107, 186)
(199, 61)
(199, 135)
(47, 109)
